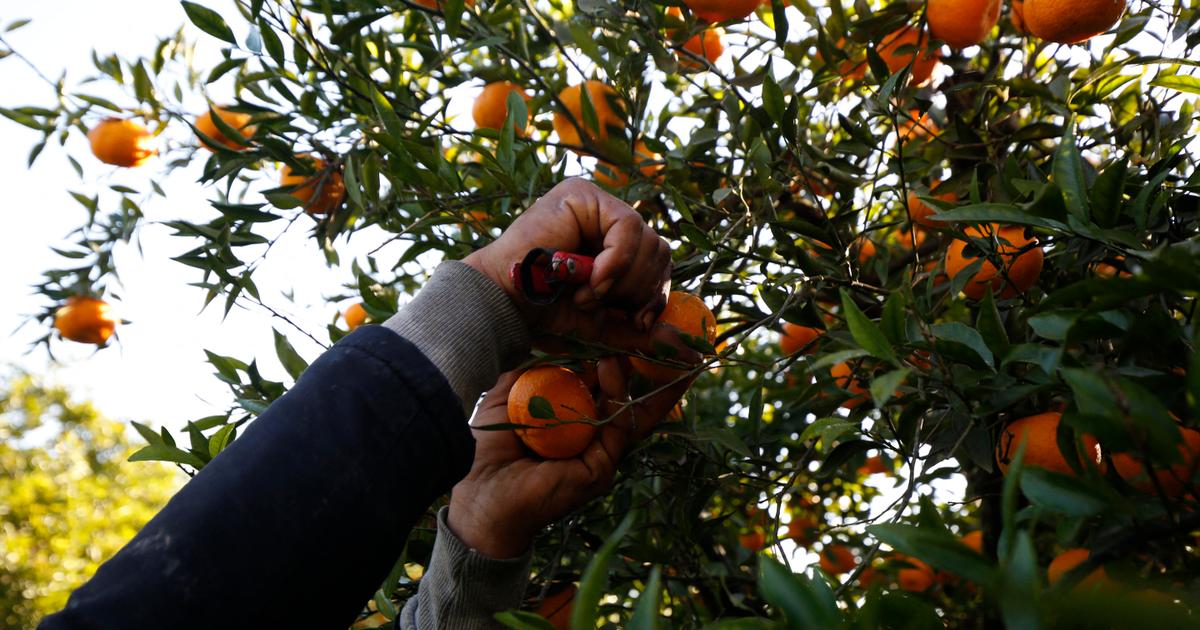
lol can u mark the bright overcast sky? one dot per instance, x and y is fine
(158, 372)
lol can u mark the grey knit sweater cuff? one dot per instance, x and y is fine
(467, 326)
(462, 589)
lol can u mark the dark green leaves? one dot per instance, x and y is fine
(595, 578)
(209, 21)
(866, 334)
(1061, 493)
(1068, 174)
(940, 549)
(805, 603)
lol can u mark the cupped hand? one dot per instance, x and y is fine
(510, 494)
(633, 264)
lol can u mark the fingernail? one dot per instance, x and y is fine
(602, 289)
(648, 319)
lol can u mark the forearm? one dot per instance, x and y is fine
(300, 519)
(463, 589)
(467, 326)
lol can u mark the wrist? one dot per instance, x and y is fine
(493, 539)
(482, 261)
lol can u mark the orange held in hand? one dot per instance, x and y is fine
(85, 319)
(1019, 252)
(610, 112)
(557, 403)
(491, 107)
(722, 10)
(1040, 435)
(693, 318)
(1071, 21)
(320, 192)
(121, 142)
(962, 23)
(238, 120)
(909, 45)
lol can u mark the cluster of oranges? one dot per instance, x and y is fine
(557, 403)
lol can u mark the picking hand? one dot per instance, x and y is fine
(633, 264)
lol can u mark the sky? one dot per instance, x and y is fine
(157, 373)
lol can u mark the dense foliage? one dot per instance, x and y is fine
(68, 497)
(782, 177)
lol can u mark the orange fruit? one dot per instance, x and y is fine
(865, 248)
(355, 316)
(321, 192)
(556, 607)
(974, 540)
(1017, 15)
(436, 5)
(874, 466)
(1110, 270)
(560, 437)
(843, 376)
(121, 142)
(753, 541)
(915, 579)
(693, 318)
(85, 319)
(238, 120)
(796, 338)
(1022, 266)
(1040, 434)
(802, 529)
(491, 107)
(708, 44)
(1069, 559)
(962, 23)
(916, 125)
(1174, 480)
(919, 211)
(610, 112)
(1071, 21)
(722, 10)
(909, 45)
(837, 559)
(647, 162)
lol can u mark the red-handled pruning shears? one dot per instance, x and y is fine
(546, 273)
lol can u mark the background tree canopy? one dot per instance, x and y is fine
(68, 497)
(929, 259)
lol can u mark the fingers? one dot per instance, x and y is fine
(632, 270)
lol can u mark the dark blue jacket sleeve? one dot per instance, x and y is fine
(301, 518)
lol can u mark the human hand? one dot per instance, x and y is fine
(510, 495)
(633, 264)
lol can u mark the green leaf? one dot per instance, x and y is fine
(969, 337)
(1061, 494)
(1178, 82)
(866, 334)
(209, 21)
(166, 453)
(1107, 193)
(939, 548)
(882, 387)
(997, 213)
(990, 325)
(645, 614)
(1068, 174)
(541, 408)
(291, 360)
(521, 620)
(803, 605)
(595, 578)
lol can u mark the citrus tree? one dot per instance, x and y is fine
(950, 247)
(70, 499)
